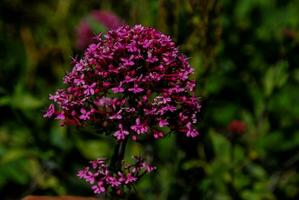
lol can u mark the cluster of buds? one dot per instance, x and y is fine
(102, 179)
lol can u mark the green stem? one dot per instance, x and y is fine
(231, 186)
(118, 155)
(116, 161)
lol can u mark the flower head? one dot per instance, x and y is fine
(133, 82)
(102, 179)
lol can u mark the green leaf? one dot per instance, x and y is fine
(221, 146)
(92, 149)
(275, 77)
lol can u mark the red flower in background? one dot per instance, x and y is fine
(237, 127)
(97, 21)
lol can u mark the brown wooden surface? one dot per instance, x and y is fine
(58, 198)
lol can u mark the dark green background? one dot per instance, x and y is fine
(245, 54)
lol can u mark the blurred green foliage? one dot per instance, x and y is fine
(245, 54)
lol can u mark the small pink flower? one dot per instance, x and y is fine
(134, 138)
(190, 85)
(128, 79)
(132, 47)
(158, 134)
(84, 114)
(80, 80)
(113, 181)
(165, 109)
(154, 76)
(136, 89)
(118, 89)
(163, 122)
(106, 84)
(99, 188)
(191, 132)
(50, 111)
(121, 133)
(116, 115)
(139, 128)
(97, 163)
(151, 58)
(148, 168)
(127, 62)
(60, 116)
(89, 89)
(130, 178)
(82, 173)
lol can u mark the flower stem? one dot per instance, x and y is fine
(116, 161)
(118, 155)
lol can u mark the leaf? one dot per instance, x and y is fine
(14, 171)
(167, 148)
(257, 171)
(275, 77)
(194, 164)
(269, 81)
(59, 138)
(221, 146)
(12, 155)
(4, 101)
(93, 149)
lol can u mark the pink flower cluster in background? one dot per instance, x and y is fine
(84, 32)
(133, 82)
(102, 179)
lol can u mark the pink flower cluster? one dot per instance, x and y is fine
(102, 179)
(84, 33)
(133, 82)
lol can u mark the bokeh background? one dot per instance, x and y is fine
(245, 55)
